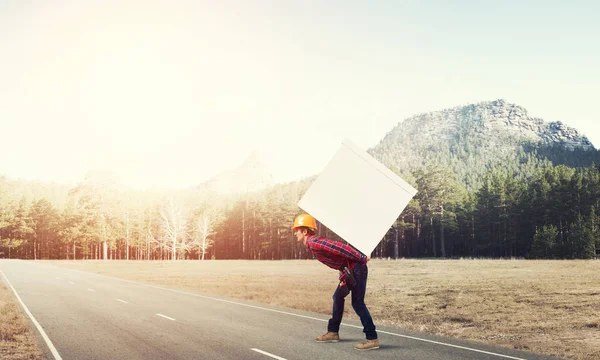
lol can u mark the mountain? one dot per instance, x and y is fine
(252, 174)
(473, 139)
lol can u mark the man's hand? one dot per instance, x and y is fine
(368, 258)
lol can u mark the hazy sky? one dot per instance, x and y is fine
(169, 93)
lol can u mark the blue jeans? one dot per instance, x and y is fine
(361, 273)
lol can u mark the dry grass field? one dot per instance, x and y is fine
(548, 307)
(17, 341)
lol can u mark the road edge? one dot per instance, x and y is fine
(32, 319)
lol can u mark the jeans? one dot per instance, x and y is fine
(361, 273)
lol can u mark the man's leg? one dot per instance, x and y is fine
(358, 303)
(337, 312)
(333, 327)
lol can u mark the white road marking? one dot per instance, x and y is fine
(58, 278)
(92, 290)
(166, 317)
(268, 354)
(72, 283)
(302, 316)
(37, 325)
(123, 301)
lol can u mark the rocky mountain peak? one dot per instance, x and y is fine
(491, 119)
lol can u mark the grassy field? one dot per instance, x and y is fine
(17, 341)
(549, 307)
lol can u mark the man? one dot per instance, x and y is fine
(337, 255)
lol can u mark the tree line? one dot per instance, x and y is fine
(551, 213)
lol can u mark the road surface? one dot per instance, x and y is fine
(80, 315)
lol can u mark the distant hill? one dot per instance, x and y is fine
(252, 174)
(473, 139)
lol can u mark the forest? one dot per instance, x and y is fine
(551, 212)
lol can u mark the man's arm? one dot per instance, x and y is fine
(338, 248)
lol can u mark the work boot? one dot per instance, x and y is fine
(368, 345)
(329, 337)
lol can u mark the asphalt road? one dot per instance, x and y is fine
(90, 316)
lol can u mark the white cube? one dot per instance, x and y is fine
(357, 197)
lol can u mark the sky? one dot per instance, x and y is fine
(170, 93)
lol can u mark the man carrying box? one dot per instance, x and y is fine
(339, 256)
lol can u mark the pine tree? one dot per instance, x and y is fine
(45, 219)
(580, 241)
(439, 193)
(544, 242)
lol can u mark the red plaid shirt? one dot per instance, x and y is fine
(333, 253)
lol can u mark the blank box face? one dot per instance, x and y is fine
(357, 197)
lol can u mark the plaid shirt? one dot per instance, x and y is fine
(333, 253)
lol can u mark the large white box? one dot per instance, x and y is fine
(357, 197)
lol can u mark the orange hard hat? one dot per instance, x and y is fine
(305, 220)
